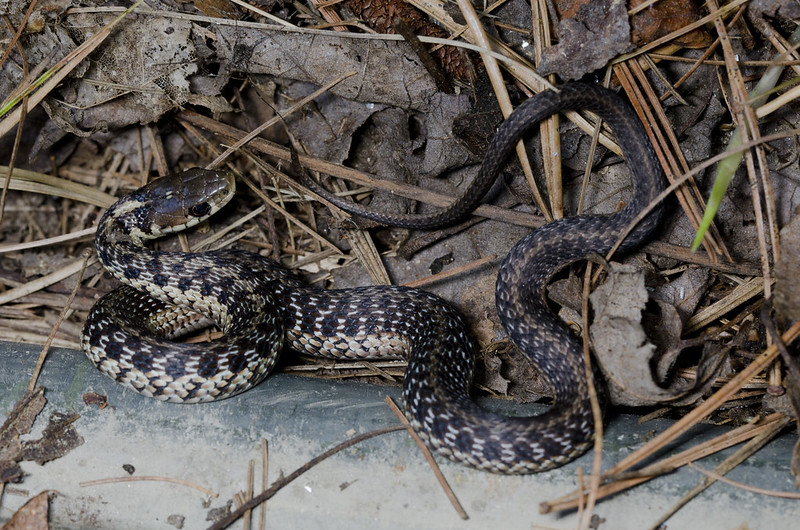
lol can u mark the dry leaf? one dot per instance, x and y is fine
(387, 71)
(637, 372)
(32, 515)
(664, 17)
(787, 288)
(58, 437)
(620, 342)
(591, 33)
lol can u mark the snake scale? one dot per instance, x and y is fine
(261, 307)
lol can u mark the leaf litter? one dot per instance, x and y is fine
(119, 115)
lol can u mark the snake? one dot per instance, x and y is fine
(132, 334)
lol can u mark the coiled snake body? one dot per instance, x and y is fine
(260, 306)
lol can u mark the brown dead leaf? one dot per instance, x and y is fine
(638, 373)
(32, 515)
(58, 437)
(664, 17)
(19, 422)
(591, 33)
(388, 72)
(787, 288)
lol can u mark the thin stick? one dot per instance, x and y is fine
(281, 482)
(429, 457)
(667, 465)
(762, 491)
(171, 480)
(46, 348)
(729, 463)
(452, 272)
(262, 522)
(597, 413)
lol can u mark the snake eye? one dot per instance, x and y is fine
(199, 210)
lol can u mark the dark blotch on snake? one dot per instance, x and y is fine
(184, 284)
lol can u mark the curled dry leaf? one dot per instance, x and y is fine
(620, 342)
(635, 369)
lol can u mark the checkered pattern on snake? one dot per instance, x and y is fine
(260, 306)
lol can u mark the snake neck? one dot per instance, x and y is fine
(190, 280)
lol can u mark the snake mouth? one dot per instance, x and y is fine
(225, 184)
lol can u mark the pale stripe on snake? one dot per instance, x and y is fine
(260, 306)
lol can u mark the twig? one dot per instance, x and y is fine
(597, 413)
(171, 480)
(429, 457)
(625, 481)
(762, 491)
(43, 355)
(452, 272)
(729, 463)
(262, 521)
(281, 482)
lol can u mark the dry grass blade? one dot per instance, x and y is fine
(762, 491)
(480, 37)
(80, 234)
(748, 128)
(732, 461)
(24, 180)
(45, 281)
(737, 297)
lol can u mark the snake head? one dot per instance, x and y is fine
(170, 204)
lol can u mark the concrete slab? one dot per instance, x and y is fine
(382, 483)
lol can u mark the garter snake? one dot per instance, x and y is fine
(261, 307)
